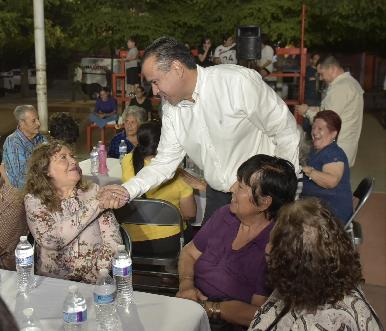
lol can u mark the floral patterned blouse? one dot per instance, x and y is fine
(76, 242)
(352, 313)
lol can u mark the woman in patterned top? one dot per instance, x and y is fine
(74, 237)
(316, 272)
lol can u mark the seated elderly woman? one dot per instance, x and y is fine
(224, 265)
(74, 237)
(150, 238)
(132, 118)
(327, 167)
(315, 272)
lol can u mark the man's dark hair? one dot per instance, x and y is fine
(166, 50)
(328, 61)
(269, 176)
(264, 38)
(226, 36)
(63, 127)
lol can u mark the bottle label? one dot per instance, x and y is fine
(24, 253)
(75, 317)
(102, 299)
(25, 262)
(122, 270)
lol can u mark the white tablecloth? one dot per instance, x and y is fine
(149, 311)
(113, 166)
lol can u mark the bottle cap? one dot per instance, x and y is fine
(103, 272)
(28, 312)
(121, 247)
(122, 141)
(23, 238)
(73, 288)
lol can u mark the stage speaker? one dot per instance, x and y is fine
(248, 45)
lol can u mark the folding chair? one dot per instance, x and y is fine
(152, 212)
(362, 193)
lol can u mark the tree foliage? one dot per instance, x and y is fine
(79, 27)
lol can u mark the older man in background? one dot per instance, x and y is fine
(345, 97)
(20, 144)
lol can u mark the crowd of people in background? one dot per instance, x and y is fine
(261, 259)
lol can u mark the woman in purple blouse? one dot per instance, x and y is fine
(224, 267)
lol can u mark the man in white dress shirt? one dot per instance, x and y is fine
(220, 116)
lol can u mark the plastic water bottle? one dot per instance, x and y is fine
(122, 150)
(30, 322)
(122, 271)
(24, 254)
(94, 161)
(105, 292)
(74, 310)
(102, 169)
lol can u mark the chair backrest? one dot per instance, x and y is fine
(150, 212)
(362, 193)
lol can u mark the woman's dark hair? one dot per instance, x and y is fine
(265, 39)
(7, 321)
(63, 127)
(203, 40)
(132, 39)
(141, 88)
(332, 120)
(148, 136)
(269, 176)
(312, 261)
(105, 89)
(38, 182)
(166, 50)
(226, 36)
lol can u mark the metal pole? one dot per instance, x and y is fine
(40, 60)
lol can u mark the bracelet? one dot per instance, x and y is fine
(211, 310)
(217, 310)
(214, 311)
(309, 174)
(182, 277)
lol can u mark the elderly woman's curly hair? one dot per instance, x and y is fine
(312, 261)
(38, 182)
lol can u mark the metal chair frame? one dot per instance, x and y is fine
(362, 193)
(151, 212)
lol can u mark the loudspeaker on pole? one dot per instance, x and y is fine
(248, 44)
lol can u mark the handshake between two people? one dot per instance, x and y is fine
(113, 197)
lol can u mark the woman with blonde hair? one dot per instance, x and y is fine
(74, 237)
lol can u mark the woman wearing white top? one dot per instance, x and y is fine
(132, 70)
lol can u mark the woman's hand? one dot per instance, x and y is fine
(307, 170)
(112, 196)
(191, 293)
